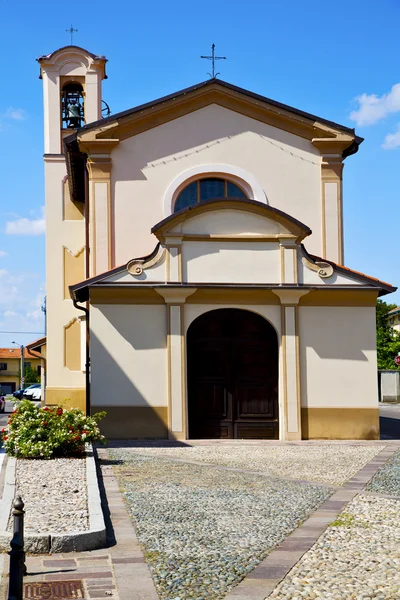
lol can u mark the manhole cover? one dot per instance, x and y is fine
(53, 590)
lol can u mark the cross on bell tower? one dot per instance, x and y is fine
(213, 58)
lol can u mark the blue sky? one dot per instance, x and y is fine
(339, 61)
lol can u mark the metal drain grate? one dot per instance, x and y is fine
(53, 590)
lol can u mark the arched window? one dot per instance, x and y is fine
(207, 189)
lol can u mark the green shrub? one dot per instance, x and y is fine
(34, 432)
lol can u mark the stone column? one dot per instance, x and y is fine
(290, 385)
(177, 419)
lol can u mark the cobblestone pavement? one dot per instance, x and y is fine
(204, 529)
(331, 464)
(358, 557)
(387, 480)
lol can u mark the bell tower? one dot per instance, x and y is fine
(72, 97)
(72, 82)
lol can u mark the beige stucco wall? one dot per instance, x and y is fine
(338, 357)
(128, 355)
(145, 165)
(226, 262)
(60, 234)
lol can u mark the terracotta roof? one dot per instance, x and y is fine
(14, 353)
(394, 310)
(36, 344)
(386, 288)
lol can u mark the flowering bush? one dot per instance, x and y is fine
(34, 432)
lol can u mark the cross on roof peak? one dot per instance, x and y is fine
(213, 58)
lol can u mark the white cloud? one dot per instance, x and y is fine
(392, 140)
(35, 315)
(16, 114)
(9, 313)
(373, 108)
(20, 307)
(3, 253)
(26, 226)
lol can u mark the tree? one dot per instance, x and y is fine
(31, 376)
(387, 339)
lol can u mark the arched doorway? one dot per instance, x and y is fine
(232, 376)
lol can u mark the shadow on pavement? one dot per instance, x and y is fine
(390, 428)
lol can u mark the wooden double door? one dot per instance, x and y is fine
(232, 376)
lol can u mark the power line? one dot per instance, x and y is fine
(25, 332)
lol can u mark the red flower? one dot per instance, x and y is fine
(44, 423)
(5, 437)
(59, 411)
(46, 408)
(3, 430)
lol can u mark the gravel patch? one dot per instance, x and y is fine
(357, 558)
(387, 479)
(55, 495)
(329, 464)
(204, 529)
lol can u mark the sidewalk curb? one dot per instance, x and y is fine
(73, 541)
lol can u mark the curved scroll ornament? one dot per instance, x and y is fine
(136, 266)
(323, 269)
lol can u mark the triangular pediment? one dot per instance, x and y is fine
(147, 116)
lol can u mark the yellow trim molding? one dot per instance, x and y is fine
(74, 269)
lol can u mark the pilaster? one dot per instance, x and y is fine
(288, 260)
(177, 414)
(332, 217)
(291, 401)
(174, 259)
(101, 245)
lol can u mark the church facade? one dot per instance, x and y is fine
(195, 266)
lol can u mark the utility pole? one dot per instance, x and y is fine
(22, 366)
(22, 378)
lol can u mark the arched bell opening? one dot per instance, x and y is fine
(72, 106)
(232, 366)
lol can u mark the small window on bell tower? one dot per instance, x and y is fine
(72, 104)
